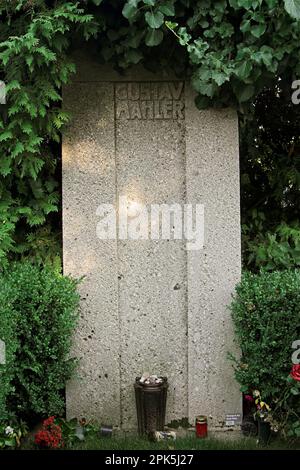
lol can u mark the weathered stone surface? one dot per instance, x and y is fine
(89, 174)
(212, 176)
(152, 313)
(150, 305)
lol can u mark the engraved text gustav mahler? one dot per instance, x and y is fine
(155, 100)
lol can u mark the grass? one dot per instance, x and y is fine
(187, 443)
(93, 441)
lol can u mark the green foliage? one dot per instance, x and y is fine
(41, 306)
(266, 316)
(8, 335)
(69, 431)
(286, 413)
(234, 47)
(231, 49)
(34, 64)
(11, 434)
(274, 250)
(73, 431)
(270, 181)
(293, 8)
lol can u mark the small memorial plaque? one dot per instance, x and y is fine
(233, 420)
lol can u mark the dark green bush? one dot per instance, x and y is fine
(41, 306)
(8, 337)
(266, 315)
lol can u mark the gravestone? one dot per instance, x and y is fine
(150, 304)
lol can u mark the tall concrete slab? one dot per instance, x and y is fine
(212, 176)
(150, 304)
(89, 173)
(152, 289)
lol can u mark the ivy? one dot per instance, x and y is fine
(34, 64)
(293, 8)
(230, 49)
(153, 38)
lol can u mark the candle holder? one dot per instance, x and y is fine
(201, 426)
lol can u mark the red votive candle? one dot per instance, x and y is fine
(201, 426)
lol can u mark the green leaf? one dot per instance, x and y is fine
(184, 36)
(258, 30)
(293, 8)
(247, 4)
(130, 9)
(154, 19)
(133, 56)
(13, 85)
(219, 77)
(265, 55)
(167, 8)
(244, 70)
(203, 102)
(204, 23)
(97, 2)
(205, 88)
(244, 93)
(19, 148)
(10, 442)
(154, 37)
(171, 25)
(5, 166)
(29, 62)
(5, 136)
(135, 40)
(271, 3)
(245, 26)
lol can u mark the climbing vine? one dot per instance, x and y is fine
(230, 49)
(34, 65)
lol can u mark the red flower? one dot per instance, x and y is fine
(295, 373)
(249, 398)
(50, 435)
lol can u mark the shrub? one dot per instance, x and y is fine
(286, 412)
(41, 306)
(9, 341)
(266, 315)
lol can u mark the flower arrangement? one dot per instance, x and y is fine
(262, 408)
(50, 436)
(284, 417)
(57, 433)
